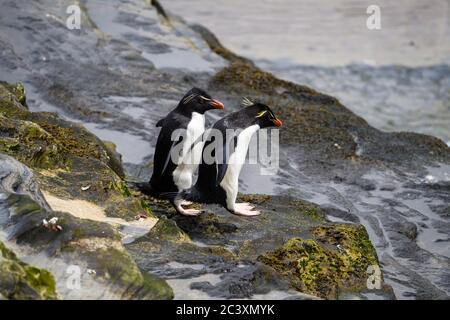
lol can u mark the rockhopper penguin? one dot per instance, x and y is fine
(218, 181)
(175, 176)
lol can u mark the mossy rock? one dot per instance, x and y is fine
(243, 78)
(320, 125)
(18, 90)
(70, 163)
(46, 141)
(166, 230)
(21, 281)
(256, 199)
(65, 157)
(159, 288)
(354, 241)
(309, 210)
(310, 118)
(206, 226)
(116, 267)
(335, 261)
(96, 244)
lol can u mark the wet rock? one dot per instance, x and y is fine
(66, 157)
(166, 229)
(91, 245)
(91, 221)
(387, 187)
(119, 82)
(337, 258)
(409, 229)
(315, 121)
(240, 253)
(14, 92)
(332, 154)
(330, 264)
(215, 45)
(340, 214)
(21, 281)
(244, 283)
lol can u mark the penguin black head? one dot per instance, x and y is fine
(261, 114)
(197, 100)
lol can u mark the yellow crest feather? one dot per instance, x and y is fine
(246, 102)
(259, 115)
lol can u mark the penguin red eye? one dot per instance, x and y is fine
(277, 122)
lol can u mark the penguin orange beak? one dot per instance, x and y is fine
(216, 104)
(277, 122)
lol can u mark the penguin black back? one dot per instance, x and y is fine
(190, 108)
(207, 188)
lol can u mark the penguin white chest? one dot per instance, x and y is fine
(192, 148)
(230, 182)
(191, 152)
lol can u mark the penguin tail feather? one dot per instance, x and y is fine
(171, 196)
(188, 194)
(145, 188)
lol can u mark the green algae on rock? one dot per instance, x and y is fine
(11, 96)
(310, 118)
(21, 281)
(90, 174)
(167, 230)
(65, 156)
(335, 261)
(52, 135)
(322, 142)
(16, 89)
(321, 125)
(81, 178)
(353, 241)
(96, 245)
(324, 127)
(341, 256)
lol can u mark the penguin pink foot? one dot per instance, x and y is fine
(244, 205)
(245, 209)
(188, 212)
(218, 182)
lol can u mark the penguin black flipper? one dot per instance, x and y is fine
(221, 170)
(166, 163)
(161, 160)
(222, 166)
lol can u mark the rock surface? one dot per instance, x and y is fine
(60, 166)
(251, 257)
(122, 72)
(65, 157)
(20, 281)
